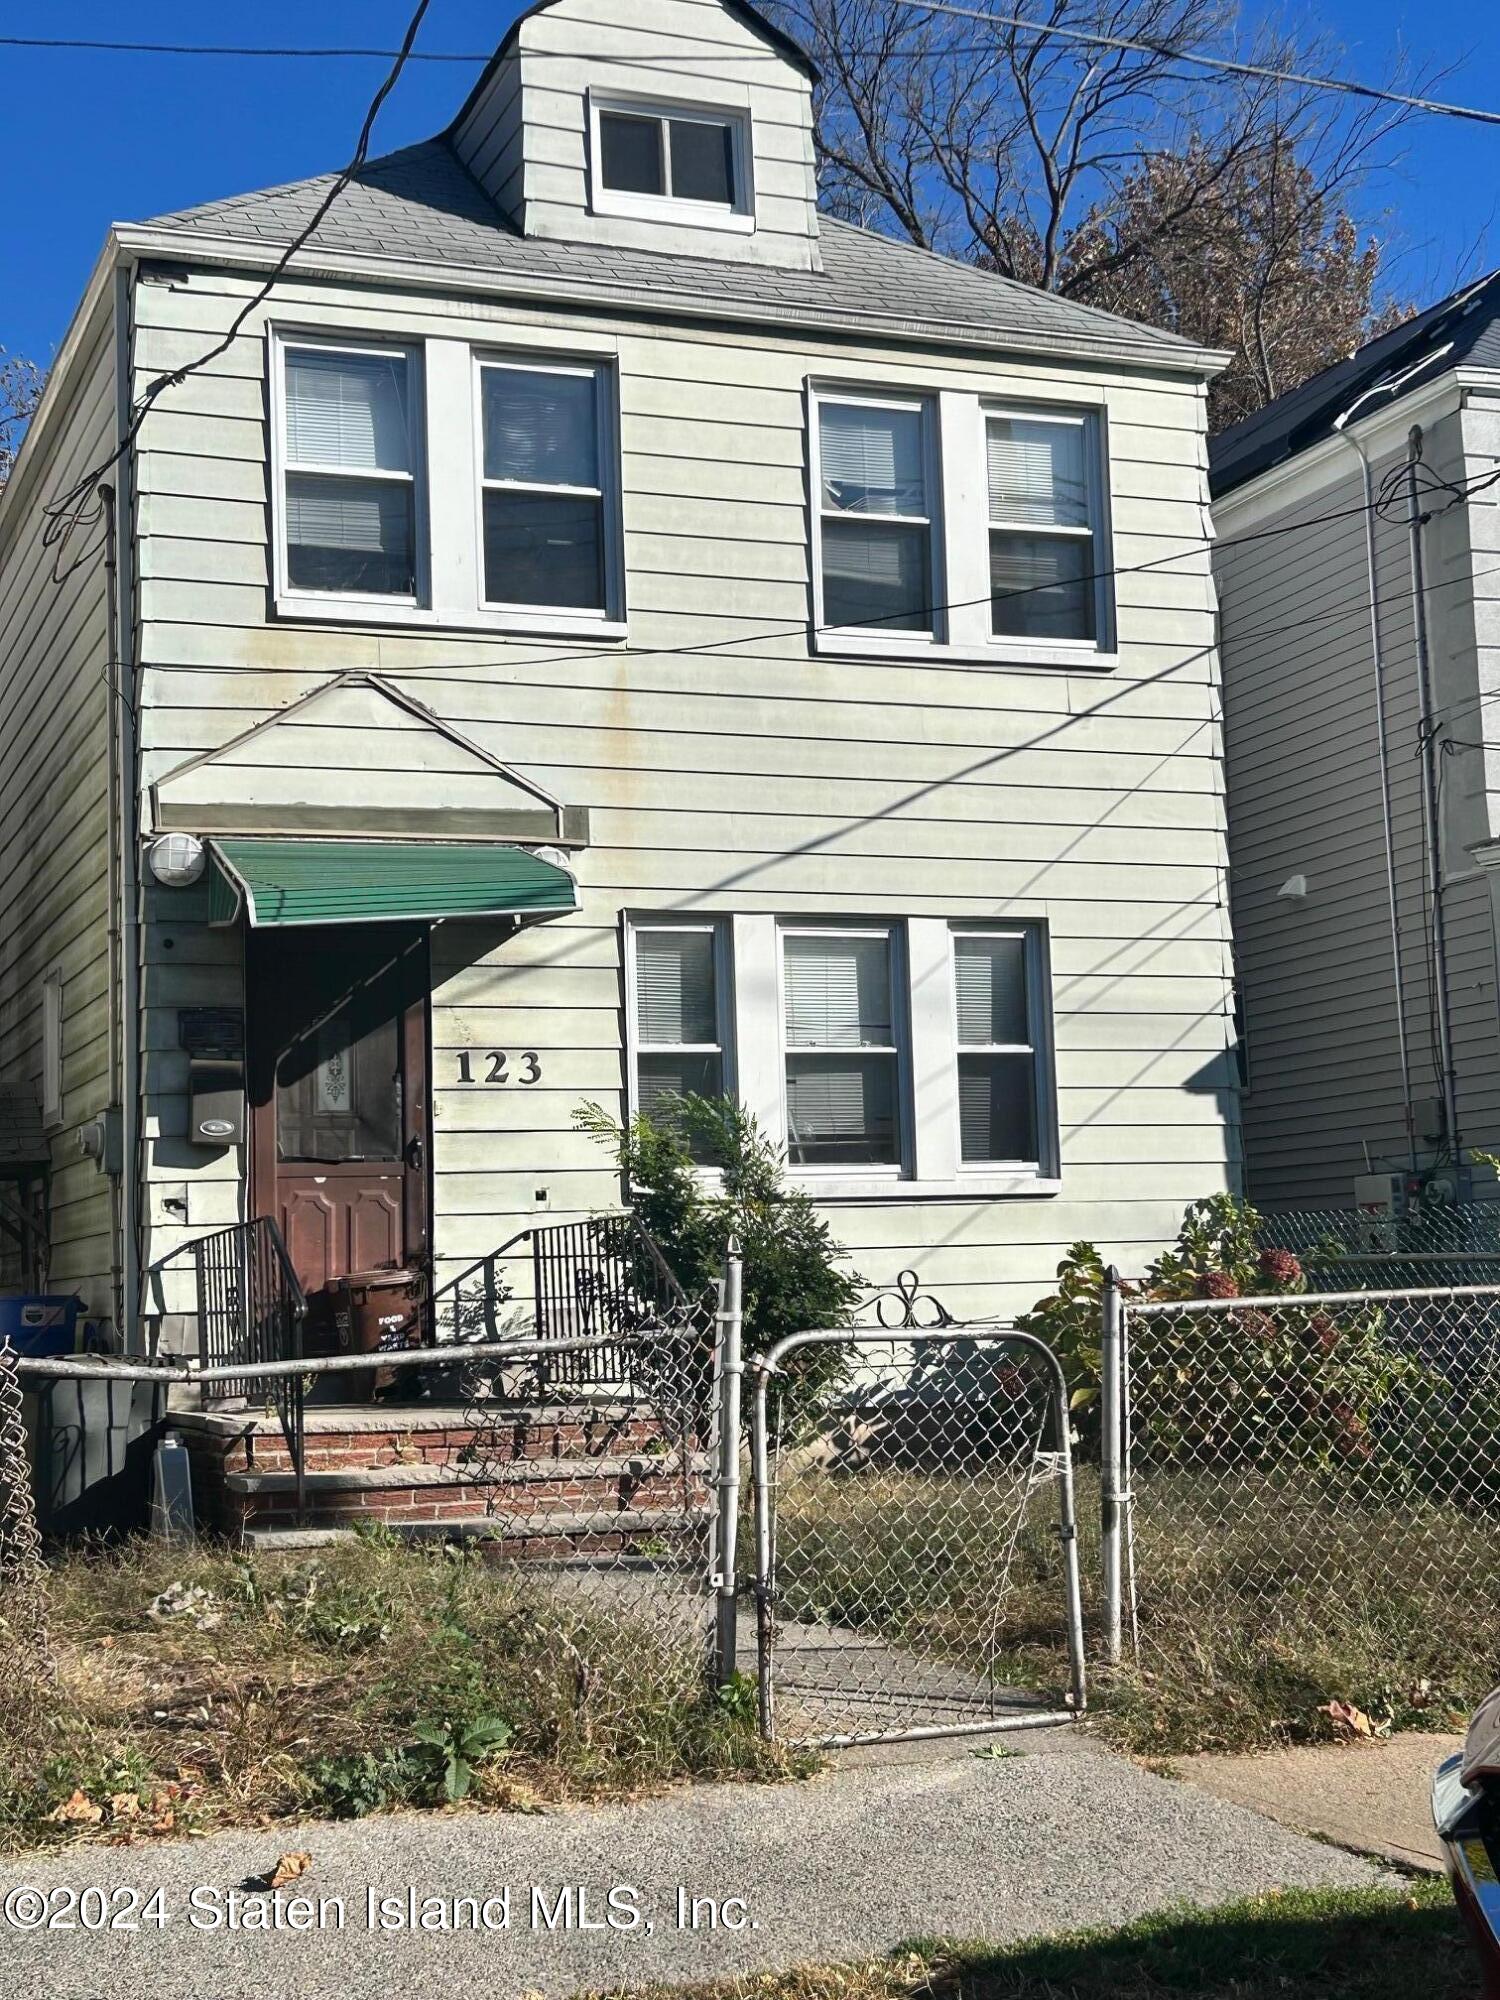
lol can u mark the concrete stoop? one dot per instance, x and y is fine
(573, 1480)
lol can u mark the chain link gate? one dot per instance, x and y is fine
(916, 1567)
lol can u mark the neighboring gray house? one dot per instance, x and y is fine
(602, 628)
(1363, 766)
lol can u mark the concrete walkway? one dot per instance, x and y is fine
(1372, 1797)
(880, 1847)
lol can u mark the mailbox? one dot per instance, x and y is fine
(214, 1038)
(216, 1113)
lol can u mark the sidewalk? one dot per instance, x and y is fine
(1371, 1797)
(846, 1865)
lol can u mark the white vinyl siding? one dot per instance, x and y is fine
(740, 777)
(844, 1082)
(350, 455)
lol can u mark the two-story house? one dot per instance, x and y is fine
(1357, 568)
(601, 628)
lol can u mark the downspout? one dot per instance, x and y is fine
(114, 724)
(1382, 735)
(127, 701)
(1431, 801)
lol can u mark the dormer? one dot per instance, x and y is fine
(683, 126)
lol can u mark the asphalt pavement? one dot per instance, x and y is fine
(706, 1880)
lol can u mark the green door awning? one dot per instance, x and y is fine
(381, 881)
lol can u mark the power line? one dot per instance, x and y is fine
(81, 506)
(1267, 72)
(1191, 545)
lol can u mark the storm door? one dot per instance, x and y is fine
(337, 1029)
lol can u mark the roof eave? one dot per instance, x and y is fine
(1171, 356)
(59, 382)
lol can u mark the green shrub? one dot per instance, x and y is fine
(794, 1279)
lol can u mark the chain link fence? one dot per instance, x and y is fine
(600, 1463)
(1316, 1479)
(23, 1575)
(917, 1568)
(1354, 1249)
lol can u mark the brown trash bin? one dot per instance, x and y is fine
(372, 1310)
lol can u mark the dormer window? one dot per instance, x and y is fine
(671, 162)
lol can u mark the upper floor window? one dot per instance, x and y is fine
(1041, 518)
(349, 462)
(672, 162)
(951, 526)
(543, 492)
(876, 515)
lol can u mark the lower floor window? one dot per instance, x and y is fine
(910, 1048)
(843, 1058)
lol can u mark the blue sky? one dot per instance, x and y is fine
(91, 138)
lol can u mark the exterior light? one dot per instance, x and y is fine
(177, 859)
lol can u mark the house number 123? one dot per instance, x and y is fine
(496, 1066)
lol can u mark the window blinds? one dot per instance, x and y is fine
(347, 410)
(1038, 473)
(838, 992)
(871, 460)
(540, 428)
(990, 977)
(674, 988)
(348, 514)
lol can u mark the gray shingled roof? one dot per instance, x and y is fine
(422, 206)
(1462, 328)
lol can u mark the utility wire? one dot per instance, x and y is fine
(1191, 545)
(81, 507)
(1228, 64)
(1268, 72)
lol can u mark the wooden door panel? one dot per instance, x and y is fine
(374, 1233)
(350, 1190)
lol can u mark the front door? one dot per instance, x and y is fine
(337, 1077)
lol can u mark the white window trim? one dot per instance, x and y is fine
(855, 638)
(52, 1046)
(927, 1018)
(545, 617)
(724, 1007)
(448, 523)
(1096, 475)
(291, 599)
(958, 500)
(1032, 938)
(738, 217)
(897, 1173)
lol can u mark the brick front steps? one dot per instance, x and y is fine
(578, 1479)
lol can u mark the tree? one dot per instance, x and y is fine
(1123, 177)
(21, 383)
(1264, 265)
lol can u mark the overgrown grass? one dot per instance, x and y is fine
(1348, 1944)
(374, 1674)
(1261, 1600)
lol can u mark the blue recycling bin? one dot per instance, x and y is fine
(40, 1323)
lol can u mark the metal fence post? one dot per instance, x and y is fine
(1111, 1462)
(729, 1374)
